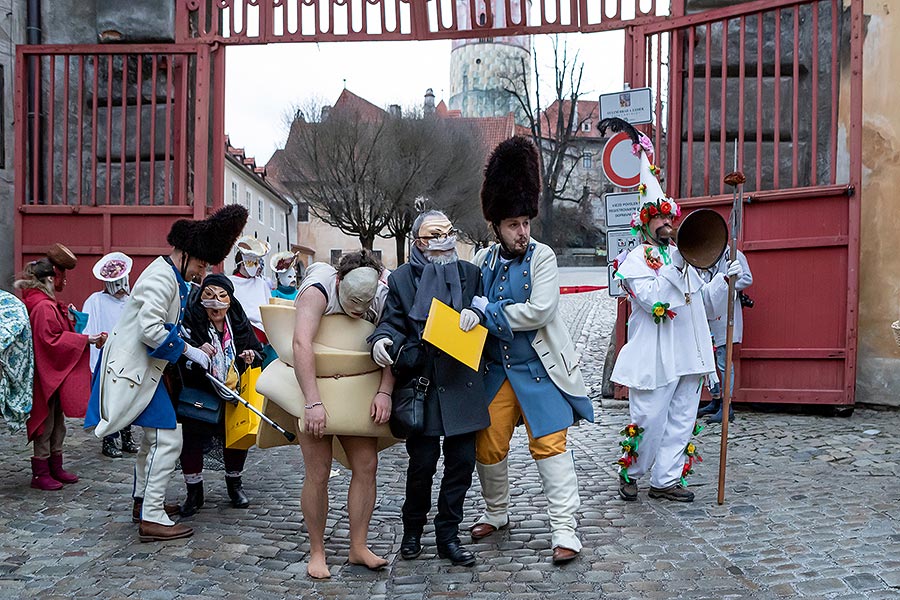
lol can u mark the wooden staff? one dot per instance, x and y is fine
(736, 180)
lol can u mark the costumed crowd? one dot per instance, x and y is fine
(348, 363)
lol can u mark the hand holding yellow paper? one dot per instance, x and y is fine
(442, 331)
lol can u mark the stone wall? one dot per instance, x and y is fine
(477, 83)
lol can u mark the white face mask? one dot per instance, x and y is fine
(442, 245)
(288, 278)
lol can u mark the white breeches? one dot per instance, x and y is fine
(667, 415)
(160, 449)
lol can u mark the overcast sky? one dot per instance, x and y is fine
(263, 82)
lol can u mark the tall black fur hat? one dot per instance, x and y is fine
(211, 239)
(512, 181)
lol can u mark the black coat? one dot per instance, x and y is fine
(456, 391)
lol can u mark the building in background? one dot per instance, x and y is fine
(273, 218)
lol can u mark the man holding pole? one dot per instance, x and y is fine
(669, 353)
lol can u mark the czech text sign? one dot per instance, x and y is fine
(634, 106)
(620, 207)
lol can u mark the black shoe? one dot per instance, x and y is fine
(194, 500)
(411, 546)
(674, 492)
(714, 405)
(628, 490)
(457, 554)
(110, 449)
(717, 417)
(128, 444)
(236, 492)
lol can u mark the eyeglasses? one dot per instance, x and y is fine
(438, 236)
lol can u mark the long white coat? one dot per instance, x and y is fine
(552, 342)
(129, 375)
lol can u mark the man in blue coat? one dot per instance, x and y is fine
(531, 369)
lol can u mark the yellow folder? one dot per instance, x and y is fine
(442, 330)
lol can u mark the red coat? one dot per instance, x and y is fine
(61, 361)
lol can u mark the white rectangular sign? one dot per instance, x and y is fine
(634, 105)
(619, 240)
(615, 284)
(619, 208)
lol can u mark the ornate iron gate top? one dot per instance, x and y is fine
(270, 21)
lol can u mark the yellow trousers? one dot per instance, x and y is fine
(492, 444)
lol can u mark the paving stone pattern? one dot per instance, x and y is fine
(811, 511)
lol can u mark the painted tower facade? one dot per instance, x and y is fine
(480, 67)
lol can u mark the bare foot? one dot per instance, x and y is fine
(317, 569)
(367, 558)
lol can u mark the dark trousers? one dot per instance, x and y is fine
(196, 437)
(459, 462)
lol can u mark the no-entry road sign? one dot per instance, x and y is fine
(621, 167)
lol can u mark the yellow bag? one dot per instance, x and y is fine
(242, 424)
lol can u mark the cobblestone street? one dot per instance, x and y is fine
(811, 511)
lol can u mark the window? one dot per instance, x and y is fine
(377, 254)
(303, 212)
(282, 227)
(234, 192)
(272, 217)
(586, 126)
(336, 254)
(587, 160)
(260, 216)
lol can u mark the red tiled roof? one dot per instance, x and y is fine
(351, 102)
(585, 109)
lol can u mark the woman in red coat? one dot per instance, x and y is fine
(62, 377)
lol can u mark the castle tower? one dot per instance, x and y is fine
(478, 66)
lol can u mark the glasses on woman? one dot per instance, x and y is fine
(438, 236)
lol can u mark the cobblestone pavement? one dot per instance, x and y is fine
(811, 511)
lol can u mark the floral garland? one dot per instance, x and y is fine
(692, 455)
(661, 312)
(633, 436)
(662, 207)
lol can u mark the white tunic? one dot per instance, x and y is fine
(718, 314)
(325, 275)
(103, 312)
(657, 354)
(252, 293)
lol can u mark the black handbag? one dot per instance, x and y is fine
(408, 408)
(199, 405)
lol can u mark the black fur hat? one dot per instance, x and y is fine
(512, 181)
(211, 239)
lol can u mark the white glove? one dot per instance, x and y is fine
(196, 355)
(468, 319)
(735, 269)
(380, 353)
(480, 302)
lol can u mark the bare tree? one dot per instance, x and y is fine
(553, 132)
(433, 163)
(334, 162)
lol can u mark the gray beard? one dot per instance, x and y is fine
(441, 258)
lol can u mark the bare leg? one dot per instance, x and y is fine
(314, 499)
(363, 457)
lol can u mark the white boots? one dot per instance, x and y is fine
(561, 490)
(495, 490)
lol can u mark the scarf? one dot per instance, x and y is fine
(434, 281)
(222, 363)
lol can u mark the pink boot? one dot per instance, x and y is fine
(57, 472)
(40, 475)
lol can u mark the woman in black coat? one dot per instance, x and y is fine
(213, 317)
(456, 404)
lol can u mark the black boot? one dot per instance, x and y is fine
(128, 444)
(714, 405)
(236, 492)
(194, 500)
(109, 447)
(456, 553)
(717, 417)
(411, 545)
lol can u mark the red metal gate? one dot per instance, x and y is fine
(113, 151)
(765, 80)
